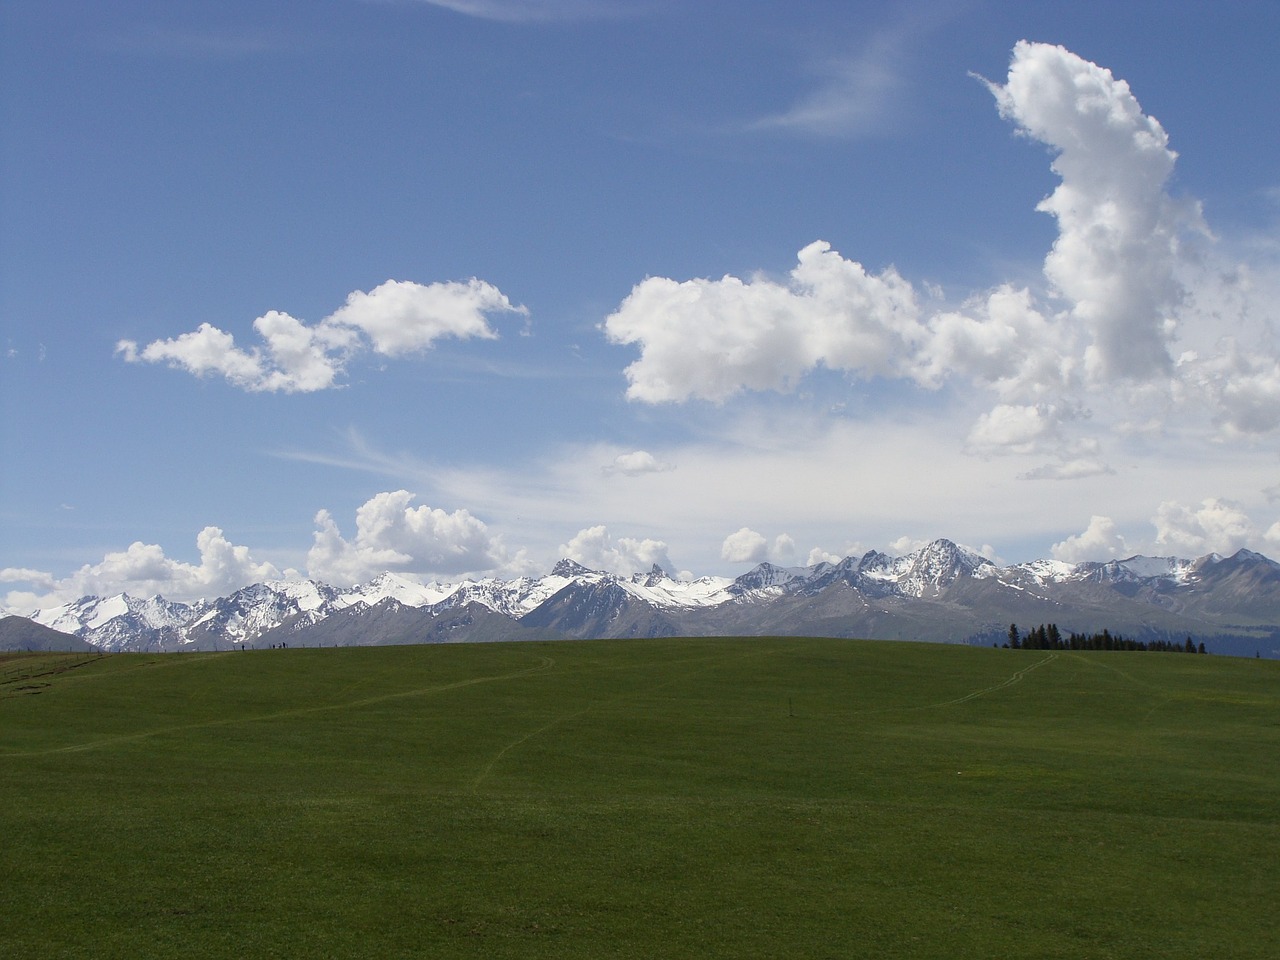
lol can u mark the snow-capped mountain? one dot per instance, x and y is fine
(940, 592)
(122, 622)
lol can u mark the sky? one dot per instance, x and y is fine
(456, 288)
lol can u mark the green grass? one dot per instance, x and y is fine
(684, 798)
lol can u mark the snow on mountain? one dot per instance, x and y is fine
(875, 565)
(662, 590)
(1045, 571)
(513, 598)
(1137, 569)
(120, 622)
(937, 565)
(92, 613)
(1147, 568)
(575, 598)
(107, 609)
(923, 572)
(309, 595)
(398, 588)
(767, 580)
(257, 608)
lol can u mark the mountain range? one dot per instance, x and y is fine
(941, 592)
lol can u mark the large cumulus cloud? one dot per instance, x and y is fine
(143, 570)
(710, 339)
(596, 549)
(1102, 344)
(1119, 231)
(393, 535)
(1213, 525)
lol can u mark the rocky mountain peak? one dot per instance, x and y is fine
(569, 568)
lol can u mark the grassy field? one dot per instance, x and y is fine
(684, 798)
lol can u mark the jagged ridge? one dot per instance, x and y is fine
(940, 592)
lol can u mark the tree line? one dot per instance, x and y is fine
(1049, 637)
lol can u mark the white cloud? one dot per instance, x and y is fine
(854, 97)
(711, 339)
(205, 350)
(1009, 428)
(748, 546)
(637, 463)
(1099, 541)
(143, 569)
(1117, 249)
(905, 545)
(596, 550)
(532, 11)
(1003, 341)
(842, 484)
(1128, 273)
(989, 552)
(1115, 263)
(391, 535)
(393, 319)
(1243, 388)
(744, 546)
(817, 555)
(402, 317)
(1214, 526)
(1069, 468)
(36, 578)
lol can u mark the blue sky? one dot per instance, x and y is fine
(456, 288)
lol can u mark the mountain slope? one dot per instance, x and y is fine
(940, 592)
(19, 633)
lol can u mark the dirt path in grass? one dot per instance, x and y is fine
(1008, 682)
(709, 662)
(544, 664)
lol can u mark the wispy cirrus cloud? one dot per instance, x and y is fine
(853, 96)
(637, 463)
(535, 11)
(158, 40)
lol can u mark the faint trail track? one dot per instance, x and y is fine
(1013, 680)
(1096, 662)
(1016, 678)
(545, 664)
(519, 741)
(1164, 700)
(493, 762)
